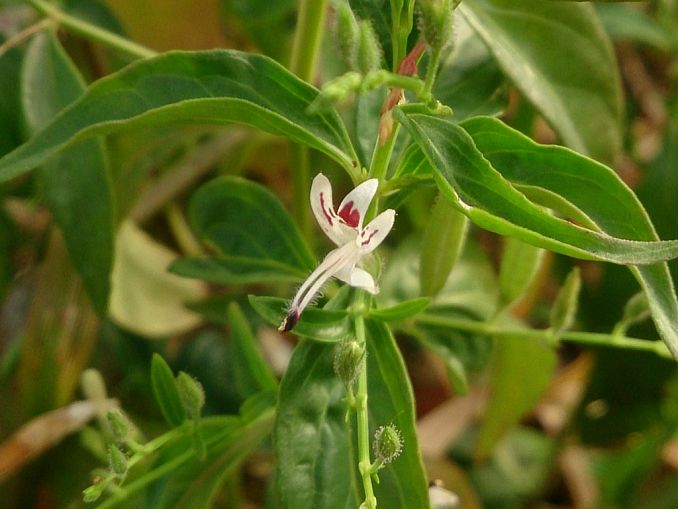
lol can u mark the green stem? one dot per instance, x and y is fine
(363, 428)
(305, 50)
(583, 338)
(381, 157)
(431, 72)
(307, 38)
(92, 32)
(300, 168)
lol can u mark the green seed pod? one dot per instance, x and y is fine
(118, 425)
(117, 461)
(191, 393)
(347, 34)
(369, 52)
(348, 360)
(435, 17)
(388, 444)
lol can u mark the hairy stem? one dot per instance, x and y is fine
(431, 72)
(363, 428)
(90, 31)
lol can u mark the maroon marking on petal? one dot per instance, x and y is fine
(369, 239)
(350, 215)
(289, 321)
(328, 216)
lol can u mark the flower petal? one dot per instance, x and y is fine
(323, 210)
(334, 262)
(375, 232)
(358, 278)
(353, 207)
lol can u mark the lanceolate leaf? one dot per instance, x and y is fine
(210, 87)
(165, 391)
(482, 193)
(467, 178)
(254, 236)
(326, 325)
(77, 184)
(591, 188)
(317, 464)
(252, 374)
(317, 461)
(403, 482)
(558, 55)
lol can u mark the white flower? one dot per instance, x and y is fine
(345, 229)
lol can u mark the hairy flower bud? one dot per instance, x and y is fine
(117, 461)
(347, 34)
(388, 444)
(435, 17)
(92, 493)
(191, 393)
(348, 360)
(369, 52)
(118, 425)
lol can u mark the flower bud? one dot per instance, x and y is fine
(348, 360)
(118, 425)
(191, 393)
(435, 18)
(117, 461)
(92, 493)
(369, 52)
(388, 444)
(348, 34)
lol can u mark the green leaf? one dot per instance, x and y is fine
(564, 308)
(10, 106)
(77, 184)
(210, 87)
(317, 461)
(326, 325)
(266, 23)
(469, 79)
(624, 22)
(602, 199)
(560, 58)
(252, 374)
(470, 294)
(255, 237)
(391, 401)
(165, 391)
(234, 271)
(520, 263)
(520, 372)
(317, 464)
(443, 241)
(401, 311)
(468, 179)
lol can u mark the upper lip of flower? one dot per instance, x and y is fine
(344, 228)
